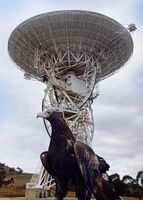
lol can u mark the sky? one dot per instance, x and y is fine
(118, 111)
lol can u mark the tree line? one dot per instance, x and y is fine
(128, 186)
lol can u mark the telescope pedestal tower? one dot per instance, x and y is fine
(70, 51)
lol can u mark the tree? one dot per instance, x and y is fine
(20, 171)
(139, 178)
(12, 170)
(3, 173)
(128, 179)
(114, 178)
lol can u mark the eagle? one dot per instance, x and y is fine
(70, 161)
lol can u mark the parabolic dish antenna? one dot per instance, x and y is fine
(71, 51)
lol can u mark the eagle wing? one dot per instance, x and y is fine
(46, 161)
(92, 166)
(88, 164)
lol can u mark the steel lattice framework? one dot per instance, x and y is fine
(70, 51)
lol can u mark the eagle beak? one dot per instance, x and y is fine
(43, 115)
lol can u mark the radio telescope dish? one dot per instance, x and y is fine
(61, 38)
(71, 51)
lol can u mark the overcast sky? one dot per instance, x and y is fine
(118, 111)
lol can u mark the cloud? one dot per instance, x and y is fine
(119, 114)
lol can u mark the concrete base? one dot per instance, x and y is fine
(43, 194)
(37, 193)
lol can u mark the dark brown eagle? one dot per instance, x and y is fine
(71, 161)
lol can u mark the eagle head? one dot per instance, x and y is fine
(48, 114)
